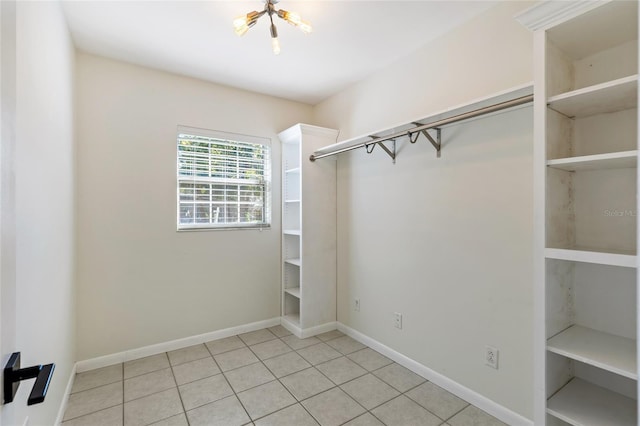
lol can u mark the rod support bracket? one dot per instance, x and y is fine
(390, 152)
(13, 375)
(437, 142)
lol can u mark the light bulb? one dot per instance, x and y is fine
(292, 18)
(276, 45)
(240, 21)
(241, 30)
(305, 27)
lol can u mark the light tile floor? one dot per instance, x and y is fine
(266, 378)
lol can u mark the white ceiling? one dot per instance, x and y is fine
(351, 39)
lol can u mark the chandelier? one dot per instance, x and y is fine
(243, 23)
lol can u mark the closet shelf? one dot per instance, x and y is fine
(294, 291)
(291, 201)
(612, 96)
(293, 261)
(613, 258)
(603, 350)
(294, 170)
(613, 160)
(582, 403)
(291, 232)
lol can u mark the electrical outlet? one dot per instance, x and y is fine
(491, 356)
(356, 305)
(397, 320)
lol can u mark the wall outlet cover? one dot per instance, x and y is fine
(397, 320)
(491, 356)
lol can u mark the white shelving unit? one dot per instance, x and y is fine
(309, 232)
(585, 197)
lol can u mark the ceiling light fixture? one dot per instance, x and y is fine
(242, 24)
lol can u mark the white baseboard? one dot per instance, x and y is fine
(319, 329)
(473, 397)
(117, 358)
(65, 397)
(308, 332)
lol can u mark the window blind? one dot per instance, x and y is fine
(223, 182)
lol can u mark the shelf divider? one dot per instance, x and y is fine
(603, 350)
(625, 259)
(611, 96)
(294, 291)
(293, 261)
(614, 160)
(582, 403)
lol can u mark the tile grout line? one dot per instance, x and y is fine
(296, 399)
(229, 383)
(173, 374)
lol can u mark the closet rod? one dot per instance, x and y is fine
(464, 116)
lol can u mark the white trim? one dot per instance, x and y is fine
(105, 361)
(307, 332)
(473, 397)
(65, 396)
(548, 14)
(295, 132)
(319, 329)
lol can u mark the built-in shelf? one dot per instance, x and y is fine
(613, 258)
(582, 403)
(614, 160)
(291, 201)
(294, 170)
(611, 96)
(294, 291)
(603, 350)
(293, 261)
(291, 232)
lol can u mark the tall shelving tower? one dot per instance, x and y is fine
(586, 225)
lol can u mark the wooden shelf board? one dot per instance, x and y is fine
(294, 170)
(291, 232)
(294, 291)
(611, 96)
(613, 160)
(582, 403)
(603, 350)
(293, 261)
(613, 258)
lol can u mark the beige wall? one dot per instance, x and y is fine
(488, 54)
(446, 242)
(139, 281)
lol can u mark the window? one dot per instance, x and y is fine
(223, 180)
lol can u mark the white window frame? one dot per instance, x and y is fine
(212, 224)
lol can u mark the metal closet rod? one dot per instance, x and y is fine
(464, 116)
